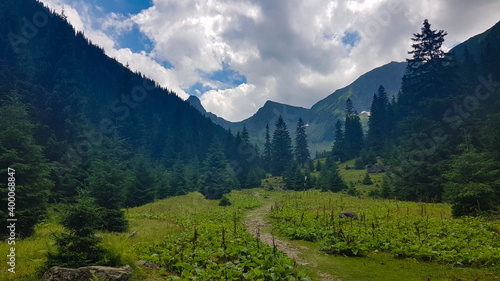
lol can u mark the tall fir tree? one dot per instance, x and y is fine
(353, 132)
(79, 246)
(21, 160)
(268, 150)
(281, 148)
(329, 178)
(302, 154)
(339, 148)
(218, 177)
(378, 123)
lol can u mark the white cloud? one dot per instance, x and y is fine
(289, 51)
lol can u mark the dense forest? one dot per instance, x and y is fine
(74, 119)
(79, 127)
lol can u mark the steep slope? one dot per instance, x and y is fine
(88, 106)
(479, 43)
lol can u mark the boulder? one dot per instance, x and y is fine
(147, 264)
(348, 215)
(56, 273)
(377, 168)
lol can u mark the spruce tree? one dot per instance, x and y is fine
(78, 246)
(353, 132)
(267, 156)
(281, 148)
(294, 178)
(428, 78)
(330, 179)
(108, 182)
(144, 186)
(339, 148)
(473, 185)
(218, 177)
(301, 148)
(378, 124)
(29, 171)
(367, 179)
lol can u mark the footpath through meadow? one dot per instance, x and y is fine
(259, 227)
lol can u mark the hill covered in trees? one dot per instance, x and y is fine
(74, 119)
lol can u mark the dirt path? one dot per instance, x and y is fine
(255, 225)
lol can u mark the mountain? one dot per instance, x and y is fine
(321, 117)
(195, 102)
(478, 44)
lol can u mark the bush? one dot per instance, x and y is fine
(224, 201)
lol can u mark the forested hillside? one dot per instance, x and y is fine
(72, 118)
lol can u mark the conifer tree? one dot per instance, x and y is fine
(281, 148)
(218, 177)
(108, 182)
(301, 148)
(378, 124)
(353, 132)
(78, 246)
(339, 148)
(29, 170)
(473, 184)
(330, 179)
(267, 156)
(367, 179)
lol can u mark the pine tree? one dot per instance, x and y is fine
(330, 179)
(473, 184)
(294, 178)
(386, 191)
(218, 177)
(301, 148)
(428, 75)
(378, 124)
(78, 246)
(18, 151)
(367, 179)
(144, 186)
(281, 148)
(108, 182)
(339, 148)
(267, 156)
(353, 132)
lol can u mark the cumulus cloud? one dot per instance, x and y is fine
(295, 51)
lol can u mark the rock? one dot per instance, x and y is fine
(347, 215)
(377, 168)
(133, 234)
(56, 273)
(147, 264)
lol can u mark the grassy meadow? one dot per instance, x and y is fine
(163, 227)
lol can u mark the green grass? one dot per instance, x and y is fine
(155, 221)
(375, 265)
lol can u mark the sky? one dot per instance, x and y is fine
(237, 54)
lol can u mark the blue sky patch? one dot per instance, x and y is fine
(350, 38)
(135, 41)
(228, 76)
(123, 6)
